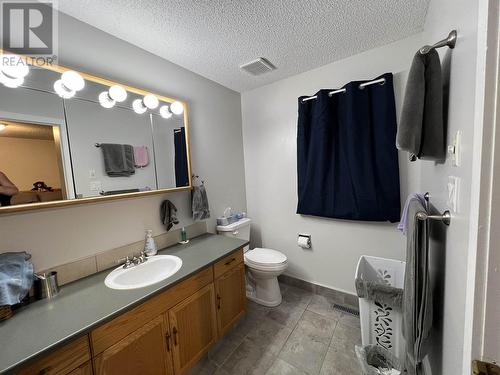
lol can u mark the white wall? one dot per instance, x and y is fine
(269, 133)
(62, 235)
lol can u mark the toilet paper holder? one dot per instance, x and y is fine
(304, 240)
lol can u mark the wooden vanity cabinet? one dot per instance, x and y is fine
(193, 328)
(85, 369)
(230, 297)
(66, 360)
(167, 334)
(142, 352)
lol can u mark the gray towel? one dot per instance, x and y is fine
(16, 277)
(118, 159)
(168, 214)
(417, 295)
(421, 130)
(380, 292)
(199, 203)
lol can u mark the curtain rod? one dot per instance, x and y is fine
(361, 87)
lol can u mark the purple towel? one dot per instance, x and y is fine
(403, 224)
(141, 156)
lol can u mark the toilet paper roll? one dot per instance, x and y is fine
(304, 242)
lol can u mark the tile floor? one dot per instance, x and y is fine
(302, 336)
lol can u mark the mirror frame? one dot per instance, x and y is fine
(76, 201)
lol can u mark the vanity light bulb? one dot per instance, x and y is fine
(62, 90)
(13, 67)
(72, 80)
(138, 107)
(10, 82)
(165, 112)
(177, 108)
(14, 72)
(105, 100)
(2, 127)
(151, 101)
(117, 93)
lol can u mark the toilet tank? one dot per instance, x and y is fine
(239, 229)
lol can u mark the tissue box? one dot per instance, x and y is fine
(226, 220)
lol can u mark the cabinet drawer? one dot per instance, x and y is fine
(63, 360)
(110, 333)
(228, 263)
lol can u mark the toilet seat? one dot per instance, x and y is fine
(265, 259)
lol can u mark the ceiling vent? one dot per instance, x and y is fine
(258, 67)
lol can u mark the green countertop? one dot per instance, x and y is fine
(84, 304)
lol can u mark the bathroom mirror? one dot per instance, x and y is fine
(89, 140)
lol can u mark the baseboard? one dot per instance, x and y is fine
(338, 297)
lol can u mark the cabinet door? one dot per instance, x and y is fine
(231, 298)
(142, 352)
(193, 328)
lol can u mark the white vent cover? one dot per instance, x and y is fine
(258, 67)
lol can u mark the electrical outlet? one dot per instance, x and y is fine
(95, 186)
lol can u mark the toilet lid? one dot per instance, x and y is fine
(265, 256)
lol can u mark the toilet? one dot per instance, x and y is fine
(263, 266)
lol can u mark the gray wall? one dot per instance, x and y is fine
(61, 235)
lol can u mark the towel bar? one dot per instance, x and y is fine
(445, 217)
(449, 41)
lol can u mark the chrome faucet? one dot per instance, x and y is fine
(134, 261)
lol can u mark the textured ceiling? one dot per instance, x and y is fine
(214, 37)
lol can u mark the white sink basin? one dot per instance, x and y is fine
(155, 269)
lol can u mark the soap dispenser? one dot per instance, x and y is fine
(149, 244)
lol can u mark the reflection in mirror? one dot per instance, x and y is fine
(30, 163)
(65, 137)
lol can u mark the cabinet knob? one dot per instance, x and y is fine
(174, 332)
(45, 370)
(167, 338)
(230, 261)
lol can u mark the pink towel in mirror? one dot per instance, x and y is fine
(141, 156)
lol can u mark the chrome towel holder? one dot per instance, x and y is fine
(450, 41)
(445, 217)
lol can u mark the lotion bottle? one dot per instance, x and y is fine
(149, 244)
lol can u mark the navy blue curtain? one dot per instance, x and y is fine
(181, 163)
(347, 162)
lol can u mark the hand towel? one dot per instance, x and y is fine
(141, 156)
(168, 214)
(421, 130)
(118, 159)
(417, 292)
(379, 292)
(199, 203)
(16, 277)
(403, 224)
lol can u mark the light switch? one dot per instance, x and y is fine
(453, 188)
(95, 186)
(91, 173)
